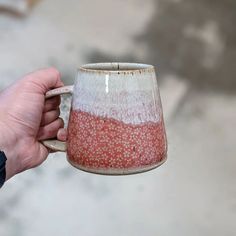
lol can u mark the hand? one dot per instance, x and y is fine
(26, 118)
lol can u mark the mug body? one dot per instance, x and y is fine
(116, 123)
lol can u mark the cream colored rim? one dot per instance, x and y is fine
(117, 67)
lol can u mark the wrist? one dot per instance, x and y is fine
(8, 145)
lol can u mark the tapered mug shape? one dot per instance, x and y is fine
(116, 124)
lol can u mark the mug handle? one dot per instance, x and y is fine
(53, 144)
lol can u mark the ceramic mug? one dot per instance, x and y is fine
(116, 124)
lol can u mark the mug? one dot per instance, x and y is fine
(116, 124)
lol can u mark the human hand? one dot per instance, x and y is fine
(26, 118)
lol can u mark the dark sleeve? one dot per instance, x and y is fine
(3, 160)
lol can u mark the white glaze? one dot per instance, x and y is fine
(130, 96)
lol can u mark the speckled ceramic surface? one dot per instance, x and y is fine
(116, 124)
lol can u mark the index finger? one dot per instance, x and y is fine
(46, 79)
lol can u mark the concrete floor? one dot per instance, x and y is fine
(194, 192)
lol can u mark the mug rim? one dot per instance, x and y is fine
(116, 67)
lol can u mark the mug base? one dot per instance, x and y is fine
(117, 171)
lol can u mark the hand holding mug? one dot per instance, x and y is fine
(116, 123)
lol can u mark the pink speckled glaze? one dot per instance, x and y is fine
(116, 124)
(104, 145)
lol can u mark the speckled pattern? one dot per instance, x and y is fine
(108, 146)
(193, 193)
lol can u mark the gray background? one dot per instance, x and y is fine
(193, 45)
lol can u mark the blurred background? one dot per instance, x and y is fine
(193, 46)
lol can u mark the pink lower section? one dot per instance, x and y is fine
(104, 143)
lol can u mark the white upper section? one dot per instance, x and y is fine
(130, 97)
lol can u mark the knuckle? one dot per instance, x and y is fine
(55, 72)
(60, 122)
(51, 133)
(57, 112)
